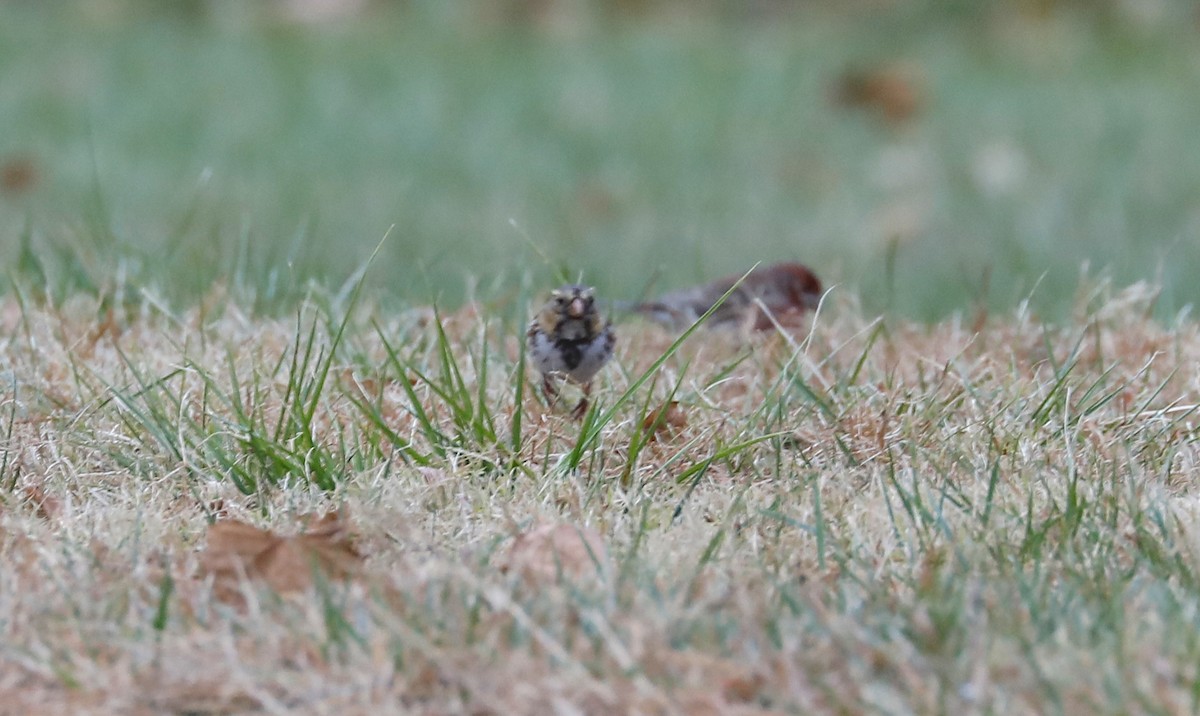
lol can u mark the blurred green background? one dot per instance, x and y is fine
(927, 157)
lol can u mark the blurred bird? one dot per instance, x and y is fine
(770, 294)
(568, 338)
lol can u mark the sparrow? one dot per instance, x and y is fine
(768, 295)
(568, 338)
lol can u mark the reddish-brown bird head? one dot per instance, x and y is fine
(784, 290)
(800, 288)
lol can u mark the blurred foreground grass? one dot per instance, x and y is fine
(173, 149)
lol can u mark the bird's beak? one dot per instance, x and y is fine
(575, 308)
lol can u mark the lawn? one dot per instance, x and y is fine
(259, 458)
(870, 516)
(226, 146)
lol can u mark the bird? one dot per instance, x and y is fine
(568, 338)
(769, 295)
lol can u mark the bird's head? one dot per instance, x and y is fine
(571, 313)
(802, 286)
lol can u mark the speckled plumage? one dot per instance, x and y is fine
(569, 338)
(766, 296)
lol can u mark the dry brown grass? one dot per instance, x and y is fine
(986, 518)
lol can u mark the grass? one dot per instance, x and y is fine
(992, 512)
(177, 150)
(874, 516)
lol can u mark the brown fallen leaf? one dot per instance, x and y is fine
(234, 541)
(709, 684)
(288, 564)
(891, 91)
(209, 693)
(18, 174)
(327, 525)
(366, 389)
(546, 552)
(43, 505)
(595, 201)
(236, 550)
(669, 419)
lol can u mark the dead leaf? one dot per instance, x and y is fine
(668, 420)
(546, 552)
(43, 505)
(108, 326)
(18, 174)
(287, 565)
(236, 550)
(231, 548)
(595, 201)
(327, 524)
(207, 694)
(717, 684)
(366, 389)
(891, 91)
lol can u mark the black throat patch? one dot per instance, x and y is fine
(571, 352)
